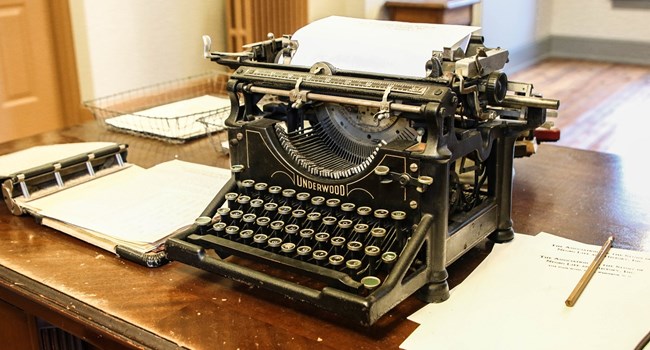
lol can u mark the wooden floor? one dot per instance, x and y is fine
(603, 106)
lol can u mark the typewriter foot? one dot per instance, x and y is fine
(502, 236)
(435, 292)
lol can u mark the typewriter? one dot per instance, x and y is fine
(362, 187)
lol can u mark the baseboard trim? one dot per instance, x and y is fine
(608, 50)
(605, 50)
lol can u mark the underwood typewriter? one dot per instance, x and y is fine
(364, 186)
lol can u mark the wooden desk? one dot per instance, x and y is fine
(431, 11)
(112, 303)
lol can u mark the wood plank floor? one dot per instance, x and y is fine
(603, 106)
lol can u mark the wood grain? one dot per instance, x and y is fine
(603, 106)
(111, 302)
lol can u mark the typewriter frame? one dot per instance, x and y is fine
(442, 239)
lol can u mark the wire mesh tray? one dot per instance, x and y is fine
(167, 111)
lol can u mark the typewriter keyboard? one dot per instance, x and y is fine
(327, 237)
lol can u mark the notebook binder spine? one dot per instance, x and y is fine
(53, 177)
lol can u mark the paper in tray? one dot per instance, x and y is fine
(168, 111)
(176, 120)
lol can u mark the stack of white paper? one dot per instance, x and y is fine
(388, 47)
(515, 300)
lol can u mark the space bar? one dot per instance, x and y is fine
(238, 249)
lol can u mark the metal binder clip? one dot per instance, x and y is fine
(384, 106)
(23, 186)
(57, 175)
(89, 165)
(119, 159)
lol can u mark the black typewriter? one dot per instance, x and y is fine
(366, 185)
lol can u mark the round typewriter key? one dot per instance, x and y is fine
(284, 212)
(378, 236)
(224, 214)
(260, 239)
(291, 229)
(236, 214)
(336, 260)
(262, 222)
(231, 197)
(287, 248)
(248, 183)
(303, 198)
(364, 211)
(398, 215)
(274, 242)
(333, 204)
(219, 227)
(276, 228)
(338, 241)
(378, 232)
(275, 189)
(257, 204)
(270, 209)
(381, 213)
(353, 265)
(329, 222)
(317, 200)
(288, 195)
(389, 257)
(372, 250)
(232, 232)
(321, 240)
(370, 282)
(242, 202)
(322, 237)
(354, 246)
(348, 209)
(261, 186)
(313, 219)
(319, 255)
(306, 233)
(246, 235)
(248, 220)
(345, 223)
(361, 228)
(297, 217)
(203, 223)
(277, 225)
(303, 252)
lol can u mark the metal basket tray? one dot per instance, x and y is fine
(168, 111)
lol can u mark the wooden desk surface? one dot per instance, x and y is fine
(112, 302)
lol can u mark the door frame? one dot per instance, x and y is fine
(66, 63)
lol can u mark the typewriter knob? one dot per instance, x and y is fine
(382, 170)
(322, 68)
(237, 168)
(424, 181)
(497, 86)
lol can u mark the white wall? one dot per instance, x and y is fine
(514, 25)
(599, 19)
(317, 9)
(125, 44)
